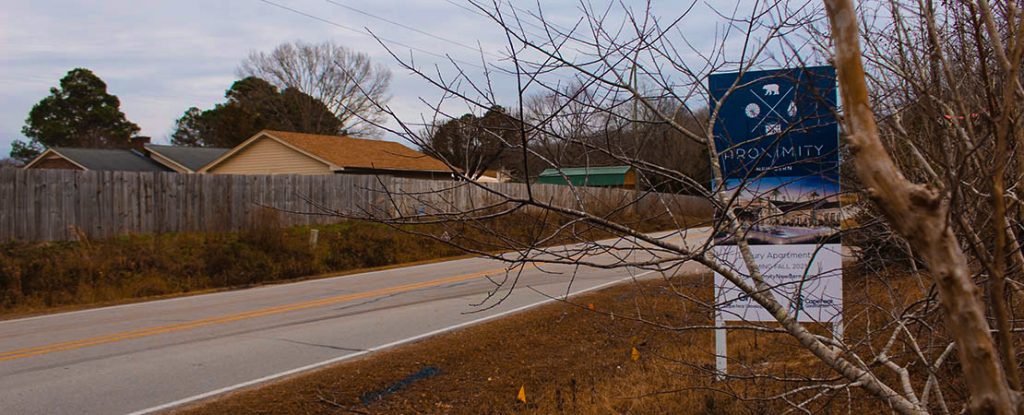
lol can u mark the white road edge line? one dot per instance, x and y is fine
(212, 393)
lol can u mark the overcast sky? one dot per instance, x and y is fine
(162, 57)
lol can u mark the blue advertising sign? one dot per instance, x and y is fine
(778, 145)
(777, 123)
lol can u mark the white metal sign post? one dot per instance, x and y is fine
(778, 145)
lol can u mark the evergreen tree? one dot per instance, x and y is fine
(78, 114)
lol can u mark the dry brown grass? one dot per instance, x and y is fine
(572, 360)
(52, 276)
(44, 276)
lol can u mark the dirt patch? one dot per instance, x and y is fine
(570, 357)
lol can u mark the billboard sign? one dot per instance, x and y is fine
(778, 144)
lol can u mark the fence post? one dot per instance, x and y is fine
(314, 237)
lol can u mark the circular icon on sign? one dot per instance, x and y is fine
(752, 110)
(791, 109)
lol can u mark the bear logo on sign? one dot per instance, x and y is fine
(771, 89)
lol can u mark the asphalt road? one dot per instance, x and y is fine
(148, 357)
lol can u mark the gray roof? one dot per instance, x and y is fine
(109, 159)
(194, 158)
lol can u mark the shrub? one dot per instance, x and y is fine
(34, 276)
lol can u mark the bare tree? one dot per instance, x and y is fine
(987, 43)
(582, 129)
(942, 82)
(348, 82)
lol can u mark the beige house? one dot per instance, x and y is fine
(280, 152)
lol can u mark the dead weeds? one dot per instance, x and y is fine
(572, 358)
(36, 277)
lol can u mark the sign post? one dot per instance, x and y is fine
(778, 147)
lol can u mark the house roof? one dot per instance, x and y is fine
(580, 171)
(586, 176)
(192, 158)
(104, 159)
(342, 152)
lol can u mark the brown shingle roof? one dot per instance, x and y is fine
(348, 152)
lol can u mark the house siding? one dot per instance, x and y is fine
(266, 156)
(55, 162)
(629, 182)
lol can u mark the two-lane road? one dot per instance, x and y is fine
(144, 357)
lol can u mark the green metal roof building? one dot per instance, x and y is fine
(610, 176)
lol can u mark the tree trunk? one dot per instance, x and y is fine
(919, 214)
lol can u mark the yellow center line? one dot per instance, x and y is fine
(116, 337)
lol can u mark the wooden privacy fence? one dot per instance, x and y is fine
(55, 205)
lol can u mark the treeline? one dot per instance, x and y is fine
(573, 127)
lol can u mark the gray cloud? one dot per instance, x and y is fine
(162, 57)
